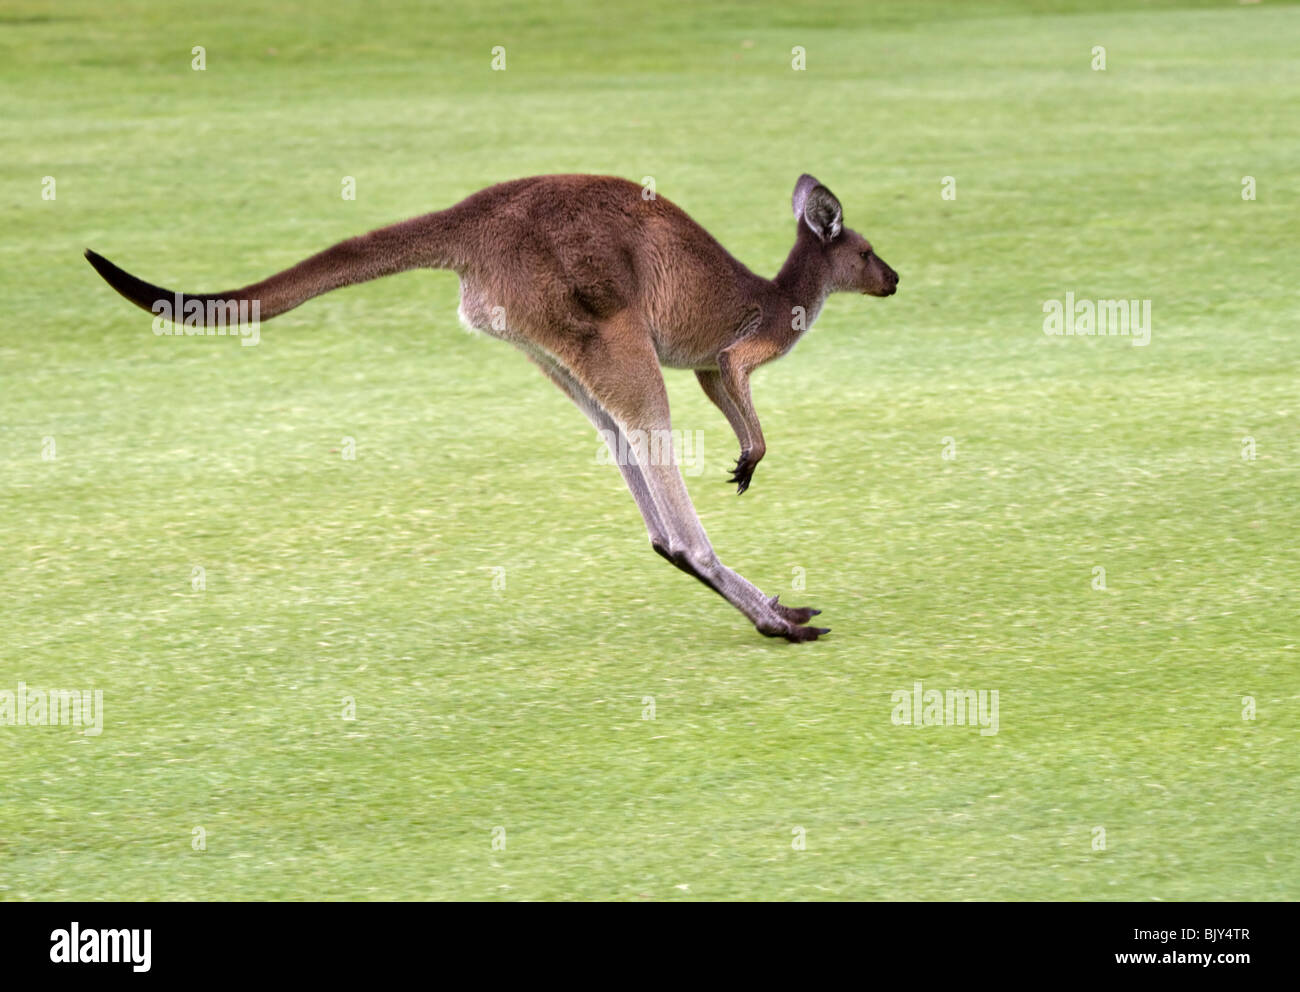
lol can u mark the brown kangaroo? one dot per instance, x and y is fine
(600, 283)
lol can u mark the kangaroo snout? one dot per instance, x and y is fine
(891, 281)
(886, 282)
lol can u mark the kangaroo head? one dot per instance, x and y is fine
(852, 266)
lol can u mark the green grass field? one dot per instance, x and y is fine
(128, 461)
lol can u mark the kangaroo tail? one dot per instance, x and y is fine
(411, 244)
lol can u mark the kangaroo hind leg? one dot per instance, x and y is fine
(618, 371)
(624, 453)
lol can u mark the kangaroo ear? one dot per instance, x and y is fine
(802, 188)
(816, 205)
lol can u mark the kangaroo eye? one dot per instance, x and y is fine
(865, 254)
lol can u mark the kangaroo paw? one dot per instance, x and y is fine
(743, 472)
(800, 634)
(794, 632)
(794, 614)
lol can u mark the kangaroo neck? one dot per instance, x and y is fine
(804, 279)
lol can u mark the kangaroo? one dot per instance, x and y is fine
(600, 285)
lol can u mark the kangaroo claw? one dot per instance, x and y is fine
(794, 614)
(743, 472)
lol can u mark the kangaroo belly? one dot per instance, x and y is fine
(479, 313)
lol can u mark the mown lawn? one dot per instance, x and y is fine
(181, 530)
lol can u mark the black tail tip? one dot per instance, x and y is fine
(102, 265)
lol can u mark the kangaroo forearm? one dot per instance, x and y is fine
(711, 381)
(734, 367)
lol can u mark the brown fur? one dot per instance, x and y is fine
(599, 286)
